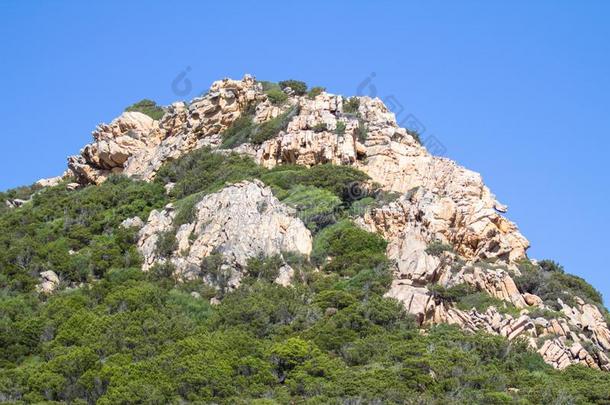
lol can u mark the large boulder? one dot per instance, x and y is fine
(241, 221)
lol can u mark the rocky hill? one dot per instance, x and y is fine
(254, 171)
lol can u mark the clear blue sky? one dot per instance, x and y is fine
(518, 91)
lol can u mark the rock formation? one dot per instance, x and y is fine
(440, 202)
(241, 221)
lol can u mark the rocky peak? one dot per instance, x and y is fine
(440, 203)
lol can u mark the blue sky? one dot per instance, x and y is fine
(518, 91)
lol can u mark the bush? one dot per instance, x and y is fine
(265, 268)
(203, 171)
(76, 234)
(239, 132)
(340, 129)
(316, 207)
(320, 127)
(550, 283)
(362, 132)
(340, 180)
(350, 248)
(167, 243)
(315, 91)
(271, 129)
(299, 87)
(551, 266)
(147, 107)
(351, 105)
(276, 96)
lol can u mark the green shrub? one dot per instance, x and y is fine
(551, 266)
(362, 132)
(316, 207)
(239, 132)
(166, 243)
(315, 91)
(450, 294)
(40, 235)
(482, 300)
(276, 96)
(147, 107)
(550, 283)
(350, 248)
(265, 268)
(351, 105)
(299, 87)
(436, 248)
(271, 129)
(336, 179)
(340, 129)
(320, 127)
(269, 85)
(203, 171)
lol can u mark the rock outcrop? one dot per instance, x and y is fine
(241, 221)
(136, 145)
(49, 281)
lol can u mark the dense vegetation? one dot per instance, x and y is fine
(549, 281)
(128, 337)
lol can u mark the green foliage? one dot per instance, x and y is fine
(340, 129)
(467, 297)
(269, 85)
(351, 105)
(76, 234)
(239, 132)
(482, 300)
(299, 87)
(551, 266)
(320, 127)
(167, 243)
(19, 193)
(147, 107)
(315, 91)
(276, 96)
(204, 171)
(436, 248)
(362, 132)
(350, 249)
(271, 128)
(316, 207)
(549, 282)
(265, 268)
(336, 179)
(130, 337)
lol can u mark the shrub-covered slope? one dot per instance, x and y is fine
(410, 285)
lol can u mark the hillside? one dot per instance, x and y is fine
(272, 243)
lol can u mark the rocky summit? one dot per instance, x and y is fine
(257, 180)
(440, 202)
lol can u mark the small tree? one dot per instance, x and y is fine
(299, 87)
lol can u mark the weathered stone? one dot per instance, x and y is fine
(49, 281)
(240, 222)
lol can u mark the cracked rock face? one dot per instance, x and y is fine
(241, 221)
